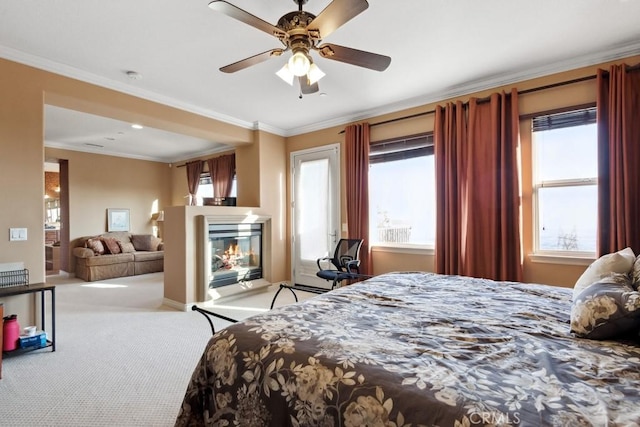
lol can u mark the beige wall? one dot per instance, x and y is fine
(575, 94)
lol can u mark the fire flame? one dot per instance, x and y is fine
(234, 251)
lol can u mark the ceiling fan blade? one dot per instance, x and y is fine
(337, 13)
(357, 57)
(252, 60)
(305, 87)
(244, 16)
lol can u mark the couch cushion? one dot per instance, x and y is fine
(145, 242)
(120, 236)
(96, 245)
(148, 256)
(108, 259)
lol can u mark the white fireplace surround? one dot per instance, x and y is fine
(204, 256)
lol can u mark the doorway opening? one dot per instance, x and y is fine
(56, 216)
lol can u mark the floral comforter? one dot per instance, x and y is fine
(415, 349)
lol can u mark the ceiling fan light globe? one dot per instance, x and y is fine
(285, 74)
(299, 64)
(314, 74)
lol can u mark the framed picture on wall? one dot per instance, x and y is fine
(117, 219)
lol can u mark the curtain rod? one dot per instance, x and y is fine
(520, 92)
(205, 160)
(184, 164)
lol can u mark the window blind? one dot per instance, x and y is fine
(401, 148)
(580, 117)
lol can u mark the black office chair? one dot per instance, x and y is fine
(344, 264)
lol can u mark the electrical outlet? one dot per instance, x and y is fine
(16, 234)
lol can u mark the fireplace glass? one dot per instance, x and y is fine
(236, 253)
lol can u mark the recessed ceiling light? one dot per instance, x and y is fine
(90, 144)
(108, 138)
(323, 94)
(137, 126)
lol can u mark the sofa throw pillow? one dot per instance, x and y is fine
(96, 246)
(616, 262)
(126, 247)
(112, 245)
(607, 309)
(145, 242)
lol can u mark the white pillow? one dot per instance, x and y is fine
(617, 262)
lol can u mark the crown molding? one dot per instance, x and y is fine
(619, 52)
(268, 128)
(85, 76)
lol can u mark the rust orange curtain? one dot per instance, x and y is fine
(450, 137)
(618, 118)
(222, 170)
(194, 169)
(478, 188)
(357, 138)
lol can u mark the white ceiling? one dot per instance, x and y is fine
(438, 48)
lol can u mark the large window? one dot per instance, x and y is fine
(565, 183)
(402, 191)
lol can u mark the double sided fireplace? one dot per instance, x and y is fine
(235, 252)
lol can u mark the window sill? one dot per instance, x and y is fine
(562, 259)
(404, 249)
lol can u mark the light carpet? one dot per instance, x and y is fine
(121, 359)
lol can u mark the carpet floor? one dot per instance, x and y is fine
(121, 359)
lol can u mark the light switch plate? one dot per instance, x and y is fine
(16, 234)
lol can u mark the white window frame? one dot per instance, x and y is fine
(555, 256)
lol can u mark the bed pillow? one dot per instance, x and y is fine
(635, 273)
(606, 309)
(616, 262)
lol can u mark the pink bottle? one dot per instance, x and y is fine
(10, 333)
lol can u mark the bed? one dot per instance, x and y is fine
(415, 349)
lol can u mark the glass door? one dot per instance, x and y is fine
(315, 211)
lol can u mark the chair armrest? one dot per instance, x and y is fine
(83, 252)
(322, 259)
(354, 264)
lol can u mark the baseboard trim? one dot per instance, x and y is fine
(177, 305)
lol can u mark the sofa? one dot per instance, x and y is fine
(117, 254)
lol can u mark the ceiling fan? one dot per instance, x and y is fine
(302, 32)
